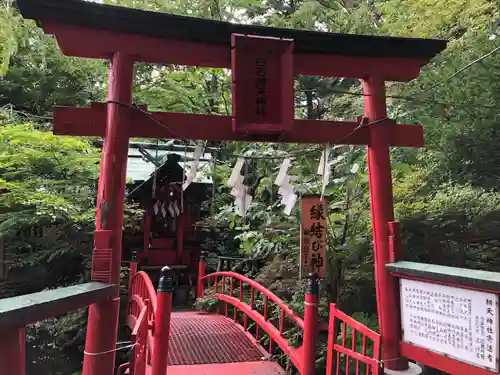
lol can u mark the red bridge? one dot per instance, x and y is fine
(232, 341)
(246, 333)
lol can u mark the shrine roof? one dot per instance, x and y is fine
(141, 162)
(172, 165)
(155, 24)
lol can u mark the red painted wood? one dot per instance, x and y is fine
(240, 368)
(103, 316)
(310, 334)
(382, 212)
(102, 256)
(440, 362)
(161, 331)
(101, 44)
(12, 353)
(90, 122)
(262, 72)
(361, 359)
(202, 265)
(139, 336)
(206, 338)
(268, 328)
(395, 243)
(133, 271)
(260, 288)
(263, 325)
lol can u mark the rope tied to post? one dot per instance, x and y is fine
(112, 350)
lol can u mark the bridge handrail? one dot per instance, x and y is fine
(140, 339)
(146, 290)
(262, 289)
(365, 359)
(142, 293)
(271, 330)
(275, 333)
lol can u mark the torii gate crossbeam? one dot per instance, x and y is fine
(125, 36)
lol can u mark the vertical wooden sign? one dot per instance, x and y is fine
(263, 78)
(313, 215)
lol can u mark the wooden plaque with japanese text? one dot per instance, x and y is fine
(313, 214)
(263, 78)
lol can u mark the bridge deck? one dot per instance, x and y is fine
(240, 368)
(209, 339)
(209, 344)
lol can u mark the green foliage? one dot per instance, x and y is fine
(437, 19)
(35, 76)
(447, 195)
(12, 33)
(48, 189)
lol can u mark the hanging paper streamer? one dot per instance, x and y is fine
(239, 190)
(236, 173)
(176, 208)
(163, 210)
(288, 196)
(171, 210)
(193, 168)
(325, 168)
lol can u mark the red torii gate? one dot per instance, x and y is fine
(264, 62)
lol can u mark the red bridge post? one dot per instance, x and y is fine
(12, 350)
(382, 212)
(310, 326)
(202, 266)
(162, 323)
(132, 268)
(102, 325)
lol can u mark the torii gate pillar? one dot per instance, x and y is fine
(382, 213)
(103, 317)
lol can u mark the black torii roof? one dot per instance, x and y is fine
(163, 25)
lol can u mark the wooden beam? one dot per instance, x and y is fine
(92, 122)
(102, 44)
(31, 308)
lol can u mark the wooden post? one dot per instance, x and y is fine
(102, 326)
(382, 212)
(162, 323)
(22, 348)
(12, 353)
(310, 326)
(133, 269)
(180, 234)
(202, 265)
(147, 233)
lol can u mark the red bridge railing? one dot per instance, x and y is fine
(140, 333)
(256, 303)
(262, 315)
(145, 306)
(142, 293)
(356, 350)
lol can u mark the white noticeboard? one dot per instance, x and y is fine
(460, 323)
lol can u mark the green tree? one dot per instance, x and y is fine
(35, 76)
(48, 190)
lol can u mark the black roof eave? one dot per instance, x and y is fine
(163, 25)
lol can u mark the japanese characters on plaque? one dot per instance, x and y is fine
(460, 323)
(313, 235)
